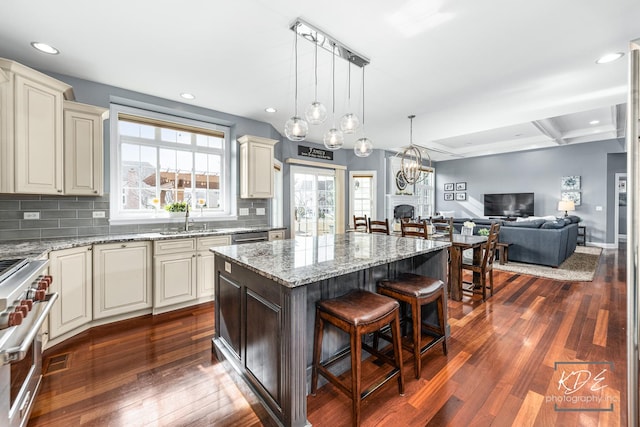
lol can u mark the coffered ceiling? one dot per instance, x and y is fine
(481, 77)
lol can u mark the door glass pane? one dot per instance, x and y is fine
(314, 204)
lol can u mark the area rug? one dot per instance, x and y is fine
(579, 267)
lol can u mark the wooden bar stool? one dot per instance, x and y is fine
(357, 313)
(417, 291)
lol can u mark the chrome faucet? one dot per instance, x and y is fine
(186, 219)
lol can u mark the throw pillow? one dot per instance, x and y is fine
(574, 219)
(524, 224)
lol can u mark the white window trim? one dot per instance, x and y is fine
(147, 110)
(374, 196)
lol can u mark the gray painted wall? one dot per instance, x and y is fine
(540, 172)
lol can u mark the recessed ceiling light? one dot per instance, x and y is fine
(270, 110)
(610, 57)
(594, 122)
(45, 48)
(186, 95)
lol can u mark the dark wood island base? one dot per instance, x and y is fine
(264, 319)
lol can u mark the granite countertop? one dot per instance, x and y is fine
(304, 260)
(38, 248)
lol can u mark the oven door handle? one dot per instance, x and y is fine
(17, 353)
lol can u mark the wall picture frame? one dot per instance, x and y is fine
(461, 197)
(570, 182)
(575, 196)
(448, 196)
(461, 186)
(449, 186)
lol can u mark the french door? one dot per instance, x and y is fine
(313, 201)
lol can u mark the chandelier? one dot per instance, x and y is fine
(411, 160)
(316, 113)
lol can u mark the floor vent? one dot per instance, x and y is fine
(57, 363)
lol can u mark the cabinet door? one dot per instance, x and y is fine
(174, 278)
(38, 138)
(122, 278)
(205, 276)
(82, 149)
(71, 271)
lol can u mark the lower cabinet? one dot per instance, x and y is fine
(184, 269)
(121, 278)
(72, 271)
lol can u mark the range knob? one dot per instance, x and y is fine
(22, 309)
(43, 284)
(15, 319)
(39, 295)
(28, 303)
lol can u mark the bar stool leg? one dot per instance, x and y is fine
(317, 351)
(397, 350)
(416, 320)
(356, 375)
(443, 330)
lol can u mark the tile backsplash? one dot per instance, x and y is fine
(68, 216)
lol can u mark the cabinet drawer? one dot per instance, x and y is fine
(276, 235)
(172, 246)
(204, 243)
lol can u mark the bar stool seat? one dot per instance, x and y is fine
(357, 313)
(418, 291)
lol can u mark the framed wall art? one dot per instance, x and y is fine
(449, 186)
(448, 196)
(570, 182)
(461, 196)
(571, 195)
(461, 186)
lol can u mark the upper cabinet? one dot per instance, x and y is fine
(256, 167)
(83, 149)
(48, 144)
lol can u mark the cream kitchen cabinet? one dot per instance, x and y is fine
(31, 130)
(83, 149)
(122, 278)
(174, 267)
(71, 270)
(256, 167)
(206, 264)
(276, 235)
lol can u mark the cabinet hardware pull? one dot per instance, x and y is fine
(59, 191)
(123, 246)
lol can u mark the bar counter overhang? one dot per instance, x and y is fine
(265, 295)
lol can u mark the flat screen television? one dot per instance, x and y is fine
(508, 204)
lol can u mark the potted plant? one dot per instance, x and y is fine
(176, 209)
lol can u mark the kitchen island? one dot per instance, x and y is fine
(265, 297)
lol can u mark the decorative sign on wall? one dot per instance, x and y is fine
(316, 153)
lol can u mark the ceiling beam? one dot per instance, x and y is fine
(547, 127)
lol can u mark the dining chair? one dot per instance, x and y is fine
(379, 226)
(360, 223)
(485, 267)
(443, 226)
(414, 229)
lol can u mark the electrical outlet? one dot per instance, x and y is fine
(31, 215)
(99, 214)
(598, 208)
(260, 211)
(244, 211)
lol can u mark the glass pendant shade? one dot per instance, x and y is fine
(333, 139)
(363, 147)
(296, 129)
(316, 113)
(349, 123)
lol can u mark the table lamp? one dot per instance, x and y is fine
(566, 205)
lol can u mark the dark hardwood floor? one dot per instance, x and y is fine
(501, 368)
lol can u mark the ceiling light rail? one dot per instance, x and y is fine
(328, 42)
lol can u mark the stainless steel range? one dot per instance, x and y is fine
(24, 306)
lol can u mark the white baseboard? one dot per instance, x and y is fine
(603, 245)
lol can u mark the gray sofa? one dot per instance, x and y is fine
(535, 242)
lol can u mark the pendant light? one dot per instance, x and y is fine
(349, 122)
(296, 127)
(363, 146)
(411, 160)
(333, 139)
(316, 113)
